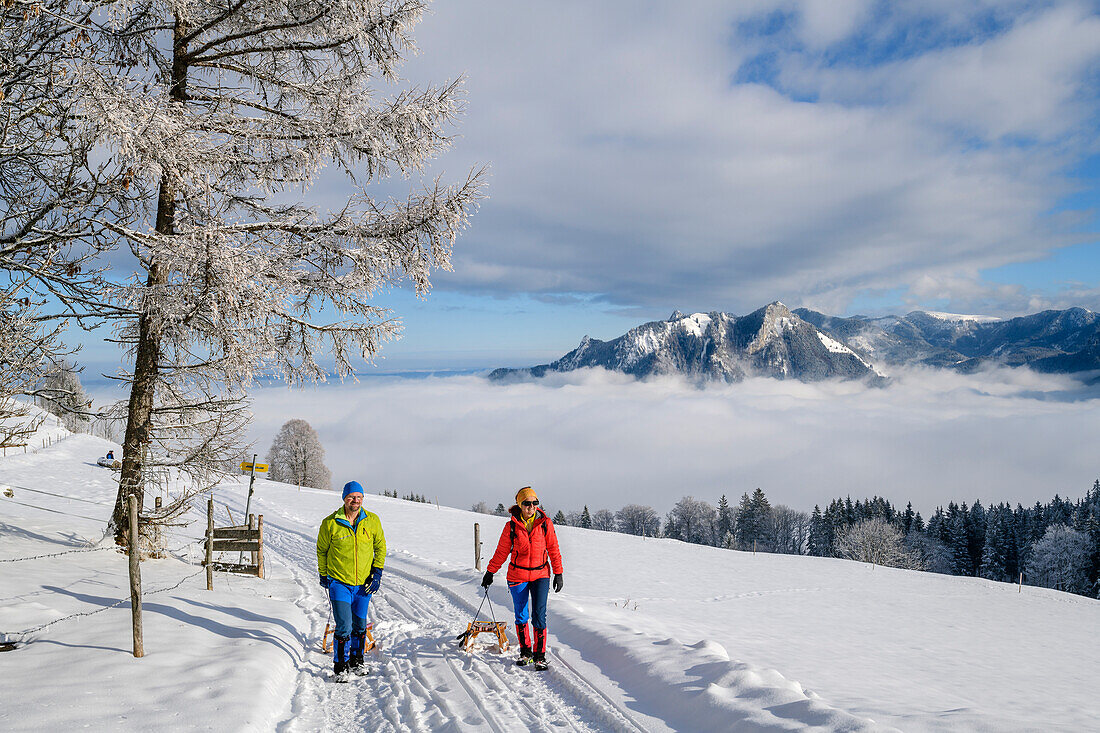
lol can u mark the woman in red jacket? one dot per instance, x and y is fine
(531, 541)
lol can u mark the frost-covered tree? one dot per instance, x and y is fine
(500, 511)
(692, 520)
(638, 520)
(480, 508)
(603, 520)
(876, 541)
(50, 195)
(1060, 560)
(24, 354)
(560, 518)
(63, 395)
(585, 521)
(51, 190)
(297, 457)
(223, 112)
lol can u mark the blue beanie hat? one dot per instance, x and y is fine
(352, 487)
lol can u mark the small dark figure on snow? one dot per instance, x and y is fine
(110, 455)
(351, 551)
(532, 542)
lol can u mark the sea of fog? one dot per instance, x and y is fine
(603, 440)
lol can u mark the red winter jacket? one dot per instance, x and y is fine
(529, 550)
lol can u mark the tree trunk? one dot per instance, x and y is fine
(139, 422)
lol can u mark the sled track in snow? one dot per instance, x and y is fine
(420, 680)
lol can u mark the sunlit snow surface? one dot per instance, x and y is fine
(648, 635)
(961, 317)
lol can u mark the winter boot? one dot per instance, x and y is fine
(524, 645)
(340, 659)
(355, 659)
(539, 655)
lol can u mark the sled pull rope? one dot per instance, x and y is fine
(465, 634)
(491, 613)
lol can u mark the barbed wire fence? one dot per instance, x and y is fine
(14, 639)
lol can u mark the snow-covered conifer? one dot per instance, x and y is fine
(297, 457)
(223, 113)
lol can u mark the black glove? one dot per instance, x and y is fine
(487, 579)
(373, 580)
(325, 580)
(558, 582)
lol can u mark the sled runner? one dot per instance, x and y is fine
(326, 640)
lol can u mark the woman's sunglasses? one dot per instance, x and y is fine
(531, 503)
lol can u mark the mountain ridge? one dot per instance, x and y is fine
(774, 341)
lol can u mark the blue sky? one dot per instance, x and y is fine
(852, 156)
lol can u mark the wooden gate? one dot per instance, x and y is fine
(240, 539)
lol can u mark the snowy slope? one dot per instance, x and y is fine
(648, 634)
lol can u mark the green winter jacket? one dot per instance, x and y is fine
(348, 553)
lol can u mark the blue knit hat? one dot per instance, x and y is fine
(352, 487)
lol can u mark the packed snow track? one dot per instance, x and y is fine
(419, 679)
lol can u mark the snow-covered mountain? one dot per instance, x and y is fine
(810, 346)
(1052, 341)
(771, 341)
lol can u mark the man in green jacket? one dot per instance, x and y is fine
(351, 551)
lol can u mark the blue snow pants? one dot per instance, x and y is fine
(537, 591)
(349, 611)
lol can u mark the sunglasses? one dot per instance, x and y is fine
(531, 503)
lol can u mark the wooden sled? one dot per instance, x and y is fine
(326, 641)
(497, 628)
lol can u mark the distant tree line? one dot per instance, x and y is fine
(1054, 545)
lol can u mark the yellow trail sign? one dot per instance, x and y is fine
(260, 467)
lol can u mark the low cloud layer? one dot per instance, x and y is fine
(604, 440)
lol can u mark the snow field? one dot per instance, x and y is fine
(648, 634)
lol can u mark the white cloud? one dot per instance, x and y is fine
(604, 440)
(627, 163)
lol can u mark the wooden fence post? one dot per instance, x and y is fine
(158, 531)
(252, 526)
(260, 552)
(210, 544)
(135, 577)
(477, 546)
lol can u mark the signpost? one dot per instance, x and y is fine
(253, 467)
